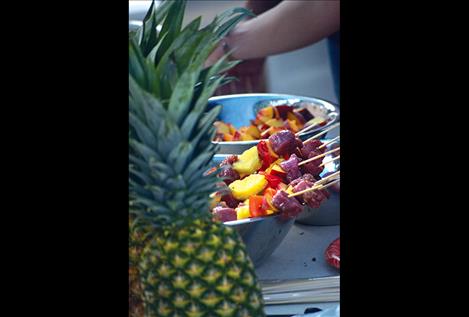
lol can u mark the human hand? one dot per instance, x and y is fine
(217, 53)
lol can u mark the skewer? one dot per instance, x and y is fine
(265, 132)
(327, 178)
(334, 159)
(315, 187)
(308, 128)
(323, 132)
(329, 142)
(318, 156)
(318, 184)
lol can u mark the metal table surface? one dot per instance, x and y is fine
(300, 255)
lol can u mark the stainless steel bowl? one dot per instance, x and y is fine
(262, 235)
(240, 109)
(326, 215)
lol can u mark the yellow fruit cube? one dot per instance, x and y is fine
(251, 185)
(215, 199)
(274, 123)
(221, 127)
(246, 137)
(242, 212)
(253, 131)
(248, 162)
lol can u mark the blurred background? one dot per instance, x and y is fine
(304, 72)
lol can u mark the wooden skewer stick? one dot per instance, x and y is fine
(318, 156)
(308, 128)
(318, 184)
(318, 187)
(329, 142)
(327, 178)
(265, 132)
(334, 159)
(323, 132)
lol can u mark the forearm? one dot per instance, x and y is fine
(288, 26)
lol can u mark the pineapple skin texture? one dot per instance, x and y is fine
(136, 244)
(198, 270)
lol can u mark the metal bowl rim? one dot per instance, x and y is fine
(249, 220)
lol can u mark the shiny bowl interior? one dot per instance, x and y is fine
(240, 109)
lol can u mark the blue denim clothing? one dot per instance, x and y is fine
(334, 53)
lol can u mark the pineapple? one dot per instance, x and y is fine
(136, 243)
(181, 262)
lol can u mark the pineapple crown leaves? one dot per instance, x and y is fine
(172, 49)
(170, 130)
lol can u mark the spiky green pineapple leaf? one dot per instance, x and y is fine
(185, 54)
(167, 169)
(136, 65)
(152, 55)
(137, 35)
(181, 98)
(180, 155)
(205, 124)
(205, 88)
(144, 151)
(169, 79)
(153, 113)
(180, 43)
(160, 173)
(149, 32)
(140, 175)
(140, 190)
(167, 66)
(171, 26)
(158, 192)
(177, 183)
(226, 27)
(220, 66)
(192, 119)
(140, 69)
(232, 11)
(151, 20)
(138, 162)
(143, 133)
(136, 99)
(170, 135)
(145, 218)
(196, 164)
(196, 181)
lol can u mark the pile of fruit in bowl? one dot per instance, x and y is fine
(268, 121)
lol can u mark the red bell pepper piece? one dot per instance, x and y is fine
(264, 155)
(255, 206)
(273, 180)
